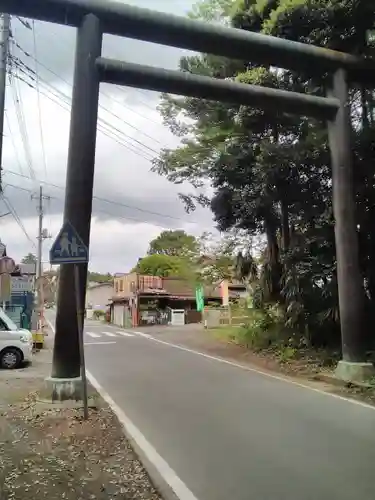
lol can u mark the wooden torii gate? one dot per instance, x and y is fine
(92, 18)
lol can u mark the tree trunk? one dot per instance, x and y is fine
(273, 260)
(364, 104)
(285, 229)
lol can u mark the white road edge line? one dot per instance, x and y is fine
(254, 370)
(167, 473)
(260, 372)
(50, 325)
(105, 342)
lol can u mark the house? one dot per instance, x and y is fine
(98, 296)
(232, 290)
(50, 283)
(148, 300)
(124, 296)
(27, 269)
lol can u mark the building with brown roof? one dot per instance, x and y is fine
(149, 300)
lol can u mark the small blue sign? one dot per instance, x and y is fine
(68, 247)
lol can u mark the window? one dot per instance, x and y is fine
(6, 323)
(3, 327)
(116, 286)
(122, 285)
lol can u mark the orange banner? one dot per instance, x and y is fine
(224, 293)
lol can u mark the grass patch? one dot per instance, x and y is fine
(263, 329)
(226, 332)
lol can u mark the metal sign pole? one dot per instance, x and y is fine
(81, 343)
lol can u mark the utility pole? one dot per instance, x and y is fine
(42, 235)
(4, 50)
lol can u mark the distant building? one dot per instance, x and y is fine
(98, 295)
(148, 300)
(27, 269)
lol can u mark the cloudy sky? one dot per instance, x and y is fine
(132, 205)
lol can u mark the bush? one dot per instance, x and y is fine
(287, 353)
(98, 314)
(265, 328)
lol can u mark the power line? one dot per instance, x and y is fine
(21, 66)
(152, 108)
(138, 91)
(115, 216)
(39, 105)
(33, 75)
(121, 103)
(102, 128)
(27, 54)
(58, 94)
(13, 212)
(18, 105)
(13, 143)
(106, 200)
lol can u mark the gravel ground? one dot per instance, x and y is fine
(49, 452)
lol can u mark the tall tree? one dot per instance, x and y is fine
(271, 173)
(218, 255)
(99, 277)
(30, 258)
(163, 265)
(174, 243)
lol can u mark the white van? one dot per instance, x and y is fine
(16, 344)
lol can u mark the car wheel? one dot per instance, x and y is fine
(10, 358)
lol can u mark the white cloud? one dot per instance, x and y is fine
(114, 246)
(140, 203)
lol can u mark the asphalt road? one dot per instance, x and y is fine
(231, 434)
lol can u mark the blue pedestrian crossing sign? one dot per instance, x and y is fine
(68, 247)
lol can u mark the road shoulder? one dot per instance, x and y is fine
(48, 451)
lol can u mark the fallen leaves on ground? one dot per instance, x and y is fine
(47, 452)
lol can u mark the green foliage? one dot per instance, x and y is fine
(99, 277)
(171, 254)
(261, 331)
(212, 10)
(174, 243)
(217, 256)
(287, 353)
(271, 173)
(98, 314)
(163, 265)
(30, 258)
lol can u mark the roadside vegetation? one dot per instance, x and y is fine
(270, 174)
(263, 331)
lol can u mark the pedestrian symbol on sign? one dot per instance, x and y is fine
(68, 247)
(64, 245)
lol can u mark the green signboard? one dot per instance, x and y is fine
(199, 298)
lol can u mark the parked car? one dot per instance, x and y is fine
(16, 344)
